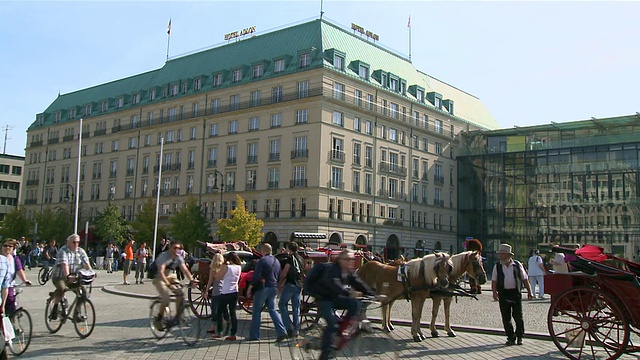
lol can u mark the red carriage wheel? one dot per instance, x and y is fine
(587, 323)
(201, 307)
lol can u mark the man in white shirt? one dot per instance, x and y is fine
(507, 278)
(536, 273)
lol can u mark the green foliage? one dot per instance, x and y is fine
(110, 225)
(144, 225)
(241, 226)
(54, 224)
(188, 225)
(15, 224)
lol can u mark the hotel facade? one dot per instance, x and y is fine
(317, 127)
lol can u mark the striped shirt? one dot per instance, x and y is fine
(76, 260)
(5, 277)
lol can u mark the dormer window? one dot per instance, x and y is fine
(278, 65)
(437, 103)
(420, 95)
(57, 116)
(257, 71)
(338, 62)
(184, 87)
(174, 90)
(136, 99)
(237, 75)
(304, 60)
(120, 103)
(104, 106)
(363, 71)
(40, 120)
(393, 84)
(197, 84)
(87, 110)
(383, 80)
(448, 104)
(71, 114)
(152, 94)
(217, 80)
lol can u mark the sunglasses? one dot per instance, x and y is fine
(7, 245)
(76, 242)
(178, 247)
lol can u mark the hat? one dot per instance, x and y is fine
(504, 249)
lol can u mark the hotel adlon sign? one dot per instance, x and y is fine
(243, 32)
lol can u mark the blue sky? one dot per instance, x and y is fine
(529, 62)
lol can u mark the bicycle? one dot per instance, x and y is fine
(22, 327)
(45, 273)
(81, 311)
(188, 324)
(354, 337)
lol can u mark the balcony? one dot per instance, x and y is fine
(393, 223)
(30, 201)
(424, 200)
(356, 188)
(368, 163)
(438, 179)
(35, 143)
(33, 182)
(100, 132)
(174, 191)
(67, 138)
(113, 174)
(416, 175)
(229, 187)
(86, 135)
(191, 166)
(393, 169)
(300, 154)
(298, 183)
(356, 160)
(336, 155)
(212, 163)
(231, 161)
(250, 186)
(127, 195)
(211, 190)
(130, 172)
(273, 185)
(425, 177)
(97, 176)
(252, 159)
(171, 167)
(368, 190)
(438, 202)
(115, 129)
(274, 157)
(53, 141)
(336, 185)
(145, 170)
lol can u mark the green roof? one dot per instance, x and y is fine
(317, 36)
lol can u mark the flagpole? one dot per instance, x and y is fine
(155, 228)
(168, 37)
(75, 221)
(321, 7)
(409, 26)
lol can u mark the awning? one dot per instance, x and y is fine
(301, 235)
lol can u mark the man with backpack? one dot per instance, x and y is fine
(507, 279)
(291, 279)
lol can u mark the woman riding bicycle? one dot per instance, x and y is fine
(335, 286)
(69, 259)
(166, 281)
(14, 270)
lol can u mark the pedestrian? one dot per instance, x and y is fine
(116, 258)
(128, 259)
(264, 287)
(507, 279)
(230, 275)
(216, 288)
(141, 262)
(35, 254)
(291, 279)
(559, 264)
(108, 256)
(536, 273)
(49, 254)
(25, 253)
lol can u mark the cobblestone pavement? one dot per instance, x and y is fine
(122, 332)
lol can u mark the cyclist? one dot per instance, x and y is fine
(166, 281)
(69, 259)
(15, 269)
(48, 254)
(335, 285)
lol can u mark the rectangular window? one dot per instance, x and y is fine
(197, 84)
(234, 102)
(420, 95)
(338, 118)
(231, 154)
(356, 153)
(274, 178)
(303, 207)
(115, 145)
(174, 90)
(254, 123)
(255, 98)
(276, 94)
(136, 99)
(257, 71)
(152, 94)
(251, 180)
(425, 144)
(217, 80)
(336, 178)
(215, 106)
(233, 127)
(438, 148)
(274, 150)
(302, 116)
(303, 89)
(368, 156)
(278, 65)
(368, 128)
(304, 60)
(338, 62)
(338, 91)
(293, 208)
(252, 153)
(237, 75)
(394, 110)
(192, 133)
(132, 142)
(212, 157)
(438, 128)
(276, 120)
(356, 124)
(370, 101)
(393, 135)
(357, 97)
(356, 181)
(213, 129)
(363, 72)
(120, 103)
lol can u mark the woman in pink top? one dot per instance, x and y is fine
(230, 275)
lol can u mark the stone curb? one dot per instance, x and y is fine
(110, 289)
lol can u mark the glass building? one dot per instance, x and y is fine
(562, 183)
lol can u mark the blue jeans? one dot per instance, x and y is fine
(326, 308)
(290, 292)
(265, 296)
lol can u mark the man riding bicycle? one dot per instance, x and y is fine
(167, 283)
(69, 259)
(336, 286)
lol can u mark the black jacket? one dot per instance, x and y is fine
(325, 281)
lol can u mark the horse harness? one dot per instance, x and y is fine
(406, 281)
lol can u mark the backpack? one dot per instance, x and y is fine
(152, 270)
(295, 273)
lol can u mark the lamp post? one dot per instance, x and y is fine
(68, 197)
(221, 190)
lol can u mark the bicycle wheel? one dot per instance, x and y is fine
(154, 310)
(84, 317)
(42, 276)
(23, 328)
(189, 326)
(53, 324)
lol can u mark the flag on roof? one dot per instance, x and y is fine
(169, 27)
(409, 23)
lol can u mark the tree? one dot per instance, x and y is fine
(241, 225)
(188, 225)
(15, 224)
(54, 224)
(111, 226)
(145, 222)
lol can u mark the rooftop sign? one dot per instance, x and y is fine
(243, 32)
(362, 31)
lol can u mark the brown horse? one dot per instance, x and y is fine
(469, 262)
(422, 275)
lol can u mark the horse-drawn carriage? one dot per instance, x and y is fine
(595, 310)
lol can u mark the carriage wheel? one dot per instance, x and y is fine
(587, 323)
(200, 306)
(308, 308)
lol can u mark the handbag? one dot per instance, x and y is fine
(7, 328)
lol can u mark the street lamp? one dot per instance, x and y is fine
(69, 197)
(221, 189)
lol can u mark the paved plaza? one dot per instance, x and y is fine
(122, 332)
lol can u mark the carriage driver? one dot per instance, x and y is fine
(335, 286)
